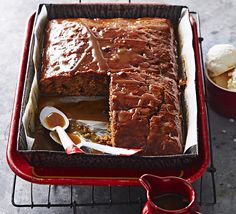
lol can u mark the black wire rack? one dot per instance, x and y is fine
(104, 197)
(131, 197)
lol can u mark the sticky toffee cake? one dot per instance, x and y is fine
(79, 53)
(133, 61)
(145, 113)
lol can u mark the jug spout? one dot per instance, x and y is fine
(150, 182)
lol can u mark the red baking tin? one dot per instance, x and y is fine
(222, 100)
(100, 176)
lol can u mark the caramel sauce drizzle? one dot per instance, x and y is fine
(125, 55)
(96, 50)
(74, 138)
(84, 54)
(54, 119)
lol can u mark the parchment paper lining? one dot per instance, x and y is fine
(188, 65)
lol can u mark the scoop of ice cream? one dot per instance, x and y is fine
(232, 81)
(220, 58)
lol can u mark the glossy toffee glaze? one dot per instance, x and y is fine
(77, 50)
(146, 111)
(79, 53)
(80, 45)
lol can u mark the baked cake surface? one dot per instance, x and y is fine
(79, 53)
(146, 113)
(136, 58)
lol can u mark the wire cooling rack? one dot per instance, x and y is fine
(107, 198)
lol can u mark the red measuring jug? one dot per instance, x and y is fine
(168, 195)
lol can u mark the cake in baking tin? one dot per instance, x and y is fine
(133, 61)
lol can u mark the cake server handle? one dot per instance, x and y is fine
(67, 143)
(107, 149)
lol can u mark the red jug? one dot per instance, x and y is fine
(168, 195)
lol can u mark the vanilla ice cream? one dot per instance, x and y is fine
(232, 81)
(220, 58)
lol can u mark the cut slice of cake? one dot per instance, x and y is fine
(145, 113)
